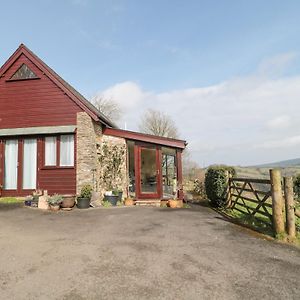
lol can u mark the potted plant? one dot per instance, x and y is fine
(129, 202)
(175, 202)
(55, 201)
(68, 201)
(84, 200)
(112, 197)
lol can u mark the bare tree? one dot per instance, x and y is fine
(108, 107)
(158, 123)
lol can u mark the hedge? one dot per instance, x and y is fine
(216, 183)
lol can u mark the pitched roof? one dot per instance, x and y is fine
(79, 99)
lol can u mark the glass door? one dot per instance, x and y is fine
(29, 164)
(149, 182)
(20, 166)
(11, 165)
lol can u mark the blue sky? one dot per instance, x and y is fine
(177, 56)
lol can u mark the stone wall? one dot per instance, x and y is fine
(121, 180)
(88, 134)
(90, 170)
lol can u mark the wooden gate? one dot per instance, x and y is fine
(251, 197)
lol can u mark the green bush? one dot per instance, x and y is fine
(297, 186)
(216, 184)
(86, 191)
(56, 199)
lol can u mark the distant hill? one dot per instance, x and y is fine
(280, 164)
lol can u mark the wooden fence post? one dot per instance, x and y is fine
(289, 206)
(277, 201)
(228, 190)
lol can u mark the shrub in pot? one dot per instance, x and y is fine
(84, 200)
(112, 197)
(55, 201)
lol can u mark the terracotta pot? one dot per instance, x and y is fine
(173, 203)
(54, 207)
(179, 203)
(129, 202)
(68, 202)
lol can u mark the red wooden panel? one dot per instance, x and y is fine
(37, 102)
(179, 174)
(147, 138)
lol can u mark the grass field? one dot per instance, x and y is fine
(10, 200)
(252, 172)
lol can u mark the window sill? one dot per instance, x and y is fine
(57, 167)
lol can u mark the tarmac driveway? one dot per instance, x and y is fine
(140, 253)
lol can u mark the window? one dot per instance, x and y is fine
(24, 72)
(67, 150)
(50, 151)
(59, 151)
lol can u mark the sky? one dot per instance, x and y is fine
(227, 72)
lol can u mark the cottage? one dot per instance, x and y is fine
(52, 138)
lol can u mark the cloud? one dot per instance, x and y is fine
(279, 122)
(234, 122)
(277, 64)
(281, 143)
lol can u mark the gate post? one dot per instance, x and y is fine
(277, 201)
(289, 206)
(228, 189)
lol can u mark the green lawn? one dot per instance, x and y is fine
(259, 222)
(10, 200)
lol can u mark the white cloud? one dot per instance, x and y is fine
(276, 64)
(281, 143)
(228, 122)
(280, 122)
(128, 94)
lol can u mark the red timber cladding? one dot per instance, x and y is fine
(38, 102)
(61, 180)
(34, 102)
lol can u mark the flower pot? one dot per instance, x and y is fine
(129, 202)
(112, 199)
(83, 202)
(120, 196)
(68, 202)
(173, 203)
(54, 207)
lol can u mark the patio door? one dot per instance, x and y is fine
(20, 166)
(148, 177)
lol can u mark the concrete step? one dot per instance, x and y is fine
(147, 203)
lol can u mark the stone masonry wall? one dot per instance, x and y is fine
(88, 133)
(90, 141)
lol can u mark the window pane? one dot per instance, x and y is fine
(50, 151)
(24, 73)
(29, 164)
(11, 164)
(67, 150)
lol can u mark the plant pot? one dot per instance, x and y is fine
(179, 203)
(173, 203)
(54, 207)
(68, 202)
(83, 202)
(112, 199)
(129, 202)
(120, 196)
